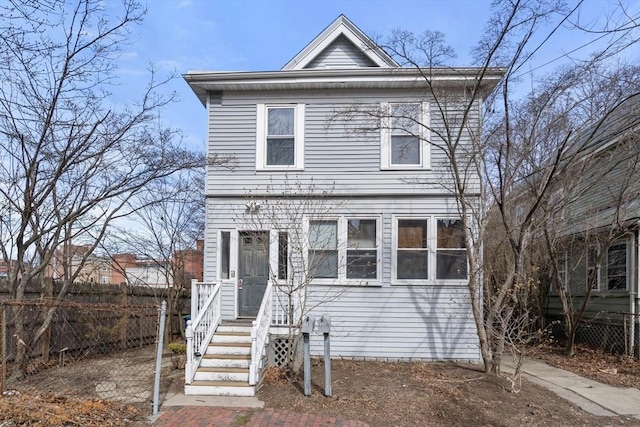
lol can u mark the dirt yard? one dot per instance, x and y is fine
(438, 394)
(380, 394)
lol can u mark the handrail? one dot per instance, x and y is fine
(260, 334)
(201, 329)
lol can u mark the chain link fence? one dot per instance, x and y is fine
(106, 351)
(611, 332)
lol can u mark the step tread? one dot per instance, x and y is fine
(230, 344)
(224, 370)
(202, 383)
(228, 356)
(231, 333)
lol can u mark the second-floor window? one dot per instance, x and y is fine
(404, 136)
(280, 136)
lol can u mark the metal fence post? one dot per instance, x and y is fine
(160, 341)
(3, 335)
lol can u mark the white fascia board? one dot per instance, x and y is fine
(341, 26)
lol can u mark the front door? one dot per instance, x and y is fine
(253, 271)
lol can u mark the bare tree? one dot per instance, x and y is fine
(169, 222)
(510, 165)
(301, 217)
(71, 159)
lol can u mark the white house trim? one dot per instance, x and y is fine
(341, 26)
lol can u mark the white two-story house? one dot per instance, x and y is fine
(329, 195)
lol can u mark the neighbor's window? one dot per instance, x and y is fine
(404, 136)
(280, 136)
(617, 267)
(412, 253)
(362, 253)
(225, 254)
(323, 249)
(593, 272)
(451, 257)
(564, 270)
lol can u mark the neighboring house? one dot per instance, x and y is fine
(323, 192)
(600, 243)
(70, 259)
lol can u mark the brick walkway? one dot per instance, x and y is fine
(206, 416)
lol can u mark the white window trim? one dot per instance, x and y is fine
(342, 234)
(385, 137)
(261, 137)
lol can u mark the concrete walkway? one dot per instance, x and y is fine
(592, 396)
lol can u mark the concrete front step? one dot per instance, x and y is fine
(222, 374)
(226, 361)
(219, 388)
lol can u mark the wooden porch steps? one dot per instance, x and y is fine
(224, 369)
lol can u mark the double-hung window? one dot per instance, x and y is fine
(323, 249)
(362, 252)
(344, 248)
(280, 136)
(617, 266)
(412, 251)
(404, 136)
(451, 256)
(593, 270)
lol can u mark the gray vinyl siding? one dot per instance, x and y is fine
(383, 320)
(337, 155)
(397, 322)
(341, 53)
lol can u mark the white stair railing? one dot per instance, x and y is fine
(205, 316)
(260, 334)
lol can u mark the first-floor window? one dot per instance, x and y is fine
(343, 248)
(617, 267)
(323, 249)
(451, 256)
(225, 254)
(412, 256)
(283, 255)
(362, 254)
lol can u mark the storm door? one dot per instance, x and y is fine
(253, 271)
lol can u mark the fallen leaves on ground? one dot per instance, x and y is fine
(34, 410)
(615, 370)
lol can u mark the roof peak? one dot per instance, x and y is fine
(341, 26)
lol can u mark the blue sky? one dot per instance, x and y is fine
(256, 35)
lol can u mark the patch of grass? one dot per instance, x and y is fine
(178, 348)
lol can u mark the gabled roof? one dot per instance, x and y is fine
(341, 28)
